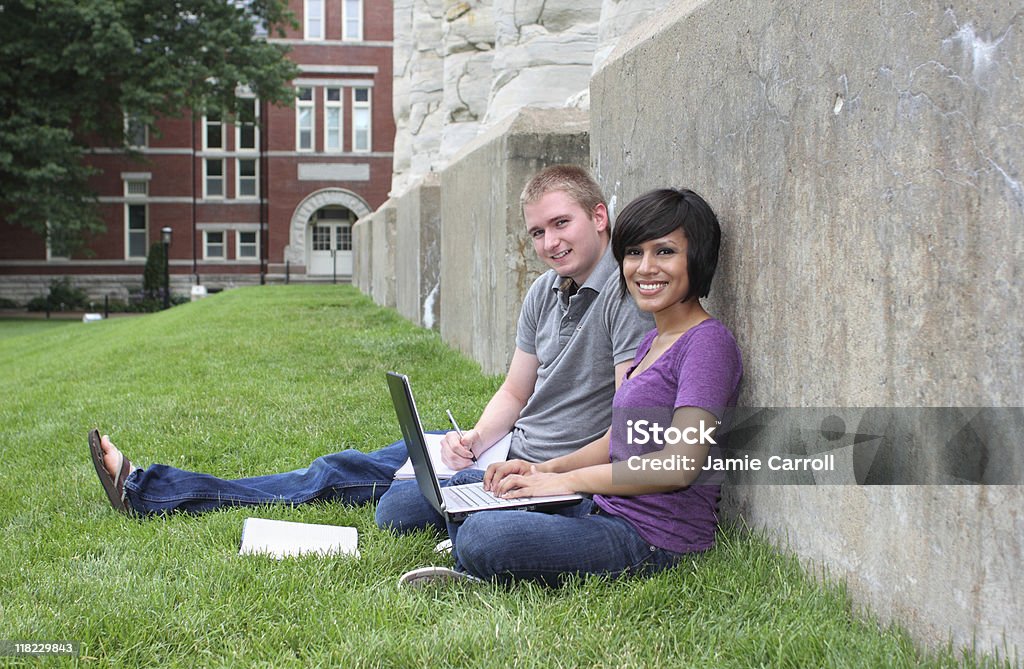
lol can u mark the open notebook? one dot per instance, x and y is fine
(496, 453)
(283, 538)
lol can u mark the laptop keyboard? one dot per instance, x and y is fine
(473, 494)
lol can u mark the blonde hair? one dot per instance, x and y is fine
(572, 180)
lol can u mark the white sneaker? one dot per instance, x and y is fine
(417, 578)
(444, 547)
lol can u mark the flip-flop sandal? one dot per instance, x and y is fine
(113, 487)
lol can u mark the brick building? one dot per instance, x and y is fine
(246, 204)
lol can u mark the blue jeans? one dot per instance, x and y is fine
(548, 546)
(403, 508)
(545, 546)
(351, 476)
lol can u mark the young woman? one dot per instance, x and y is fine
(650, 502)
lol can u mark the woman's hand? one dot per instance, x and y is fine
(533, 483)
(499, 470)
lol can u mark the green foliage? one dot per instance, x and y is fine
(63, 296)
(70, 69)
(153, 274)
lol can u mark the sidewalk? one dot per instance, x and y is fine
(9, 314)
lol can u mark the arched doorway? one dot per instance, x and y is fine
(330, 241)
(329, 213)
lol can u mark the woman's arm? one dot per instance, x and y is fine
(636, 476)
(594, 453)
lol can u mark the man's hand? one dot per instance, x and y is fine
(458, 452)
(499, 470)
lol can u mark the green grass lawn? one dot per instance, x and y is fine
(260, 380)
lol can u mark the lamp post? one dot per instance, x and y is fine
(165, 236)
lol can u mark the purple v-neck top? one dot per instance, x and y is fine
(701, 369)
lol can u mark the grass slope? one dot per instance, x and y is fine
(261, 380)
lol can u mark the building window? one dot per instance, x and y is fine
(304, 112)
(136, 134)
(56, 243)
(136, 235)
(332, 119)
(136, 187)
(352, 20)
(247, 132)
(247, 245)
(343, 242)
(213, 245)
(213, 177)
(361, 119)
(321, 240)
(314, 16)
(247, 178)
(213, 132)
(136, 216)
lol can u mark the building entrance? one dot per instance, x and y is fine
(330, 242)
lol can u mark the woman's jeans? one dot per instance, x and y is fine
(545, 546)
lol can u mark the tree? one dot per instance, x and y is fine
(71, 69)
(153, 274)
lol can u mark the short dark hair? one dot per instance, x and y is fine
(658, 213)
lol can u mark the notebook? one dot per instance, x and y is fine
(450, 501)
(283, 538)
(496, 453)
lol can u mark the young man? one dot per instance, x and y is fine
(576, 336)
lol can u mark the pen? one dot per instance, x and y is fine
(459, 430)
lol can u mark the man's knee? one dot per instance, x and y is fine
(466, 476)
(403, 509)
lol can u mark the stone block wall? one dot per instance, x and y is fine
(865, 161)
(418, 253)
(362, 254)
(487, 260)
(382, 253)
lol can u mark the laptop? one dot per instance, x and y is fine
(450, 501)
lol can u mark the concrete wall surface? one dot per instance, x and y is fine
(362, 254)
(487, 260)
(382, 254)
(418, 253)
(865, 160)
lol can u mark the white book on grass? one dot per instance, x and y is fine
(283, 538)
(496, 453)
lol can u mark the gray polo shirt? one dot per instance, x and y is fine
(578, 342)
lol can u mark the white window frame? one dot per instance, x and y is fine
(206, 179)
(207, 122)
(239, 244)
(136, 192)
(255, 179)
(223, 244)
(50, 255)
(129, 120)
(339, 107)
(300, 106)
(311, 18)
(346, 17)
(255, 130)
(356, 107)
(344, 230)
(128, 230)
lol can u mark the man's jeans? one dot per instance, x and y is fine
(351, 476)
(544, 546)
